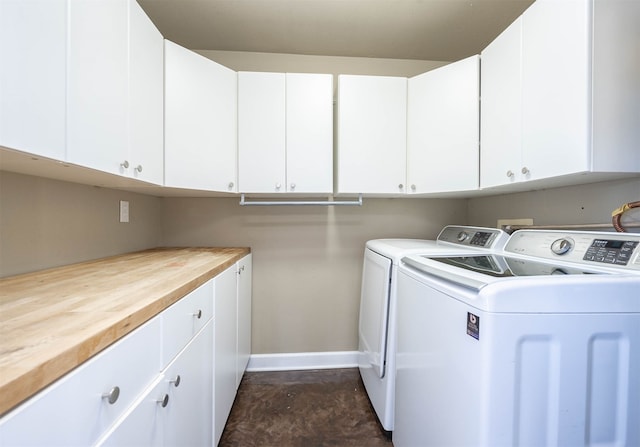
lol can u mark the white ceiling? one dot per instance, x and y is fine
(444, 30)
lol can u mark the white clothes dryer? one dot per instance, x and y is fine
(377, 323)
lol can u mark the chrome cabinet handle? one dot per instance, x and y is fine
(400, 186)
(510, 174)
(230, 185)
(293, 186)
(176, 381)
(125, 164)
(413, 187)
(198, 314)
(139, 168)
(525, 170)
(163, 401)
(112, 395)
(278, 186)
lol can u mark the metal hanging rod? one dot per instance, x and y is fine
(358, 202)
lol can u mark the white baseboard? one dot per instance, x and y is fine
(303, 360)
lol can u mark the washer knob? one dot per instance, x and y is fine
(463, 236)
(562, 246)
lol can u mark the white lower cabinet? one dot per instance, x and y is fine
(177, 409)
(232, 317)
(226, 323)
(76, 410)
(162, 378)
(189, 387)
(142, 424)
(244, 316)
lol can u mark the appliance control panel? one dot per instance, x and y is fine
(618, 250)
(609, 251)
(480, 237)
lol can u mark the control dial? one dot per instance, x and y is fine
(463, 236)
(562, 246)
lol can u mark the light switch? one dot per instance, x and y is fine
(124, 211)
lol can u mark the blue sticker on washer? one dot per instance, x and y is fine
(473, 325)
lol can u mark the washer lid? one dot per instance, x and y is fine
(493, 283)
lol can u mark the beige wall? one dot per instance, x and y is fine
(46, 223)
(307, 260)
(582, 204)
(295, 63)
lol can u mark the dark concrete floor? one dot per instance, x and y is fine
(315, 408)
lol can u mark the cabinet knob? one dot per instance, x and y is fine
(125, 164)
(525, 170)
(510, 174)
(176, 381)
(293, 186)
(278, 186)
(198, 314)
(413, 187)
(112, 395)
(163, 401)
(230, 185)
(400, 186)
(139, 168)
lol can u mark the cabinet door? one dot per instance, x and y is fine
(556, 73)
(97, 85)
(143, 424)
(501, 108)
(443, 128)
(200, 122)
(189, 382)
(146, 97)
(244, 316)
(309, 133)
(225, 351)
(372, 129)
(33, 57)
(261, 132)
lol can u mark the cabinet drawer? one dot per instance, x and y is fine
(184, 319)
(73, 411)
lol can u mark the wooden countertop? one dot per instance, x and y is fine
(53, 320)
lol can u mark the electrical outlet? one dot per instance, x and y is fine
(504, 222)
(124, 211)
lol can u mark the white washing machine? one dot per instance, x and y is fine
(539, 346)
(377, 324)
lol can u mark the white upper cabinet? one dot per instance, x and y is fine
(200, 122)
(114, 89)
(285, 132)
(97, 86)
(558, 90)
(146, 97)
(443, 128)
(33, 61)
(261, 132)
(501, 108)
(309, 133)
(372, 134)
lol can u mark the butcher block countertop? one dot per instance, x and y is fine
(53, 320)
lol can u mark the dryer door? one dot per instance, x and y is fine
(374, 311)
